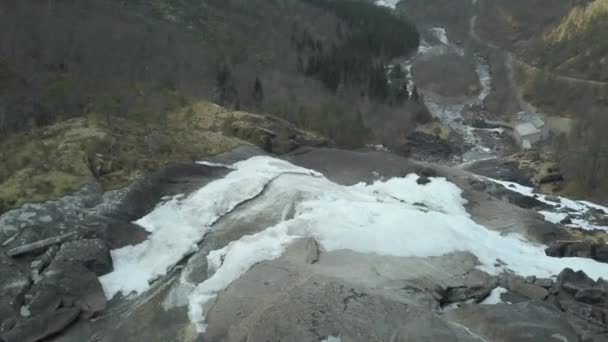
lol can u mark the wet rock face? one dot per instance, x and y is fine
(501, 170)
(422, 146)
(527, 321)
(515, 198)
(306, 294)
(581, 249)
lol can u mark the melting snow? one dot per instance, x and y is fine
(562, 207)
(178, 225)
(387, 3)
(230, 262)
(441, 34)
(395, 217)
(494, 297)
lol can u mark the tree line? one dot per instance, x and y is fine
(322, 66)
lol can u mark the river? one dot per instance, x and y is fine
(449, 110)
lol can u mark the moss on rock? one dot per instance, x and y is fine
(50, 162)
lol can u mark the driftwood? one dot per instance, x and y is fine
(38, 245)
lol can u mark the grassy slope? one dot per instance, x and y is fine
(569, 38)
(122, 81)
(581, 41)
(52, 161)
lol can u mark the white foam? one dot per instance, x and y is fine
(387, 3)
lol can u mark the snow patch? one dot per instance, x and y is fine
(561, 207)
(177, 225)
(206, 163)
(441, 34)
(494, 297)
(230, 262)
(387, 3)
(396, 217)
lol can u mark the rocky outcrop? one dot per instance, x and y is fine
(270, 133)
(427, 147)
(582, 249)
(584, 301)
(45, 290)
(306, 294)
(515, 198)
(42, 326)
(91, 253)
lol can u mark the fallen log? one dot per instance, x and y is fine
(38, 245)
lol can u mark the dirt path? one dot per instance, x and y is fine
(513, 59)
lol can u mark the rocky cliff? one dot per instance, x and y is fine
(320, 245)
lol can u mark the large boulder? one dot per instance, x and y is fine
(528, 290)
(476, 286)
(67, 284)
(39, 327)
(581, 249)
(584, 301)
(91, 253)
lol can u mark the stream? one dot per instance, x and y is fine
(434, 41)
(449, 110)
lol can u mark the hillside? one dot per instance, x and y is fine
(559, 62)
(294, 59)
(569, 38)
(124, 80)
(302, 170)
(53, 161)
(318, 245)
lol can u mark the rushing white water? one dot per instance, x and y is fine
(449, 110)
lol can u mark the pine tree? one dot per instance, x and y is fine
(258, 93)
(225, 92)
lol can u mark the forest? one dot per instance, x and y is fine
(142, 59)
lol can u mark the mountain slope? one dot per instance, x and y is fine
(566, 37)
(147, 58)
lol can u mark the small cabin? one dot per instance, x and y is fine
(530, 130)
